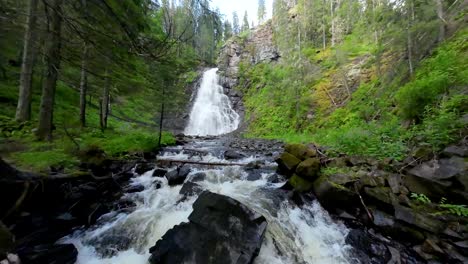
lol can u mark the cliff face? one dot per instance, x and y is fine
(255, 48)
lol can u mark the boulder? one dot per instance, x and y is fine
(233, 155)
(159, 172)
(287, 163)
(220, 230)
(422, 220)
(461, 151)
(309, 169)
(333, 195)
(440, 169)
(49, 254)
(299, 184)
(178, 175)
(144, 167)
(197, 177)
(190, 189)
(6, 240)
(300, 151)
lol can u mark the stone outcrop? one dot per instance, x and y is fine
(221, 230)
(391, 197)
(255, 48)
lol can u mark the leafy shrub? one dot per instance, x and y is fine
(416, 96)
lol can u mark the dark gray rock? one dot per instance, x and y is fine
(190, 189)
(461, 151)
(6, 240)
(440, 169)
(178, 175)
(221, 231)
(233, 155)
(49, 254)
(197, 177)
(159, 172)
(144, 167)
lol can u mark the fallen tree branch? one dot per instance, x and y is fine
(19, 201)
(205, 163)
(363, 203)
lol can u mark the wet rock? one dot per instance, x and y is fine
(197, 177)
(254, 175)
(309, 169)
(134, 188)
(299, 184)
(253, 165)
(6, 240)
(367, 248)
(382, 194)
(233, 155)
(159, 172)
(287, 163)
(420, 219)
(144, 167)
(221, 231)
(178, 175)
(300, 151)
(190, 189)
(49, 254)
(333, 195)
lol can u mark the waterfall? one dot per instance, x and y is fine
(212, 112)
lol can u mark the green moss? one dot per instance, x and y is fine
(43, 160)
(300, 184)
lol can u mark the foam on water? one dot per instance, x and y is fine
(212, 113)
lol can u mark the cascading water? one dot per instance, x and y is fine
(294, 234)
(212, 113)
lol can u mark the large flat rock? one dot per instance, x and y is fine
(220, 230)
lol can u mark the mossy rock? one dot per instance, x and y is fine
(309, 169)
(300, 184)
(333, 195)
(6, 240)
(287, 163)
(300, 151)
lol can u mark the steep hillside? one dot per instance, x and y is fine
(356, 94)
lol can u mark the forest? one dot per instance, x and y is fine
(336, 130)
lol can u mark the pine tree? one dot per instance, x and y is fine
(261, 12)
(235, 23)
(245, 22)
(227, 30)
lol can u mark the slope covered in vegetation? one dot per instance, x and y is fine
(368, 91)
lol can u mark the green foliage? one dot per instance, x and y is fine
(421, 198)
(43, 160)
(328, 171)
(455, 209)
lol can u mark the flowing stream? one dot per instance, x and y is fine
(294, 235)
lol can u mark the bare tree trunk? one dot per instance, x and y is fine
(161, 120)
(409, 37)
(105, 102)
(23, 110)
(52, 58)
(83, 86)
(333, 29)
(440, 14)
(324, 35)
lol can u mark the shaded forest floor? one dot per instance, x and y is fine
(132, 129)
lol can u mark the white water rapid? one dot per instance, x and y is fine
(212, 113)
(295, 235)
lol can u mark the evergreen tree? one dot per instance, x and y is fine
(261, 12)
(235, 23)
(227, 30)
(245, 22)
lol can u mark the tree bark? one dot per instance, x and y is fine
(23, 110)
(440, 14)
(409, 36)
(83, 86)
(161, 120)
(105, 102)
(324, 35)
(52, 59)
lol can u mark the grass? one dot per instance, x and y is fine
(121, 139)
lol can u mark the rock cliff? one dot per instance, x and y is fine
(256, 47)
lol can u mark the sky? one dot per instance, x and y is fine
(227, 7)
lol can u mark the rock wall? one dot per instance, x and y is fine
(257, 47)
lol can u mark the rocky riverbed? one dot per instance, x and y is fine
(171, 209)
